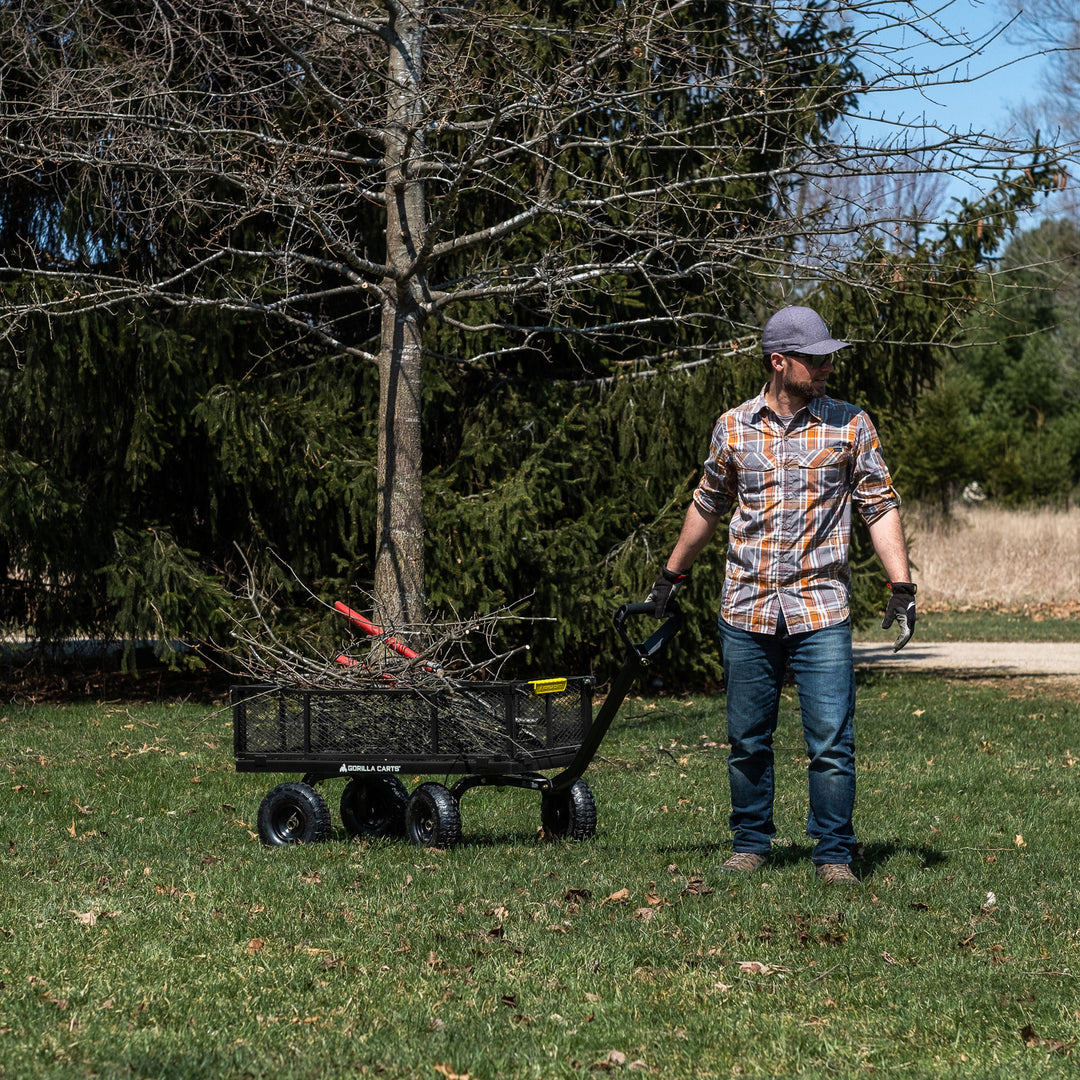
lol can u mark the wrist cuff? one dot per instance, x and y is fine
(675, 579)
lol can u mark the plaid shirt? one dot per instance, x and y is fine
(792, 487)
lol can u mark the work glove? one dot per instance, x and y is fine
(664, 589)
(901, 610)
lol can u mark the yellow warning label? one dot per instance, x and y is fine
(548, 686)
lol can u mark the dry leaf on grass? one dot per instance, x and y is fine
(615, 1059)
(756, 967)
(696, 886)
(445, 1070)
(1052, 1046)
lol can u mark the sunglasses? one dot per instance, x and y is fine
(812, 361)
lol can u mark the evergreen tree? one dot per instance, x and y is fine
(418, 227)
(1008, 408)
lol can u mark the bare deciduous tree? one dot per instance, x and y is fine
(645, 176)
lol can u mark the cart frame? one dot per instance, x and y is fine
(376, 803)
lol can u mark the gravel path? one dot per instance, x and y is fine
(988, 658)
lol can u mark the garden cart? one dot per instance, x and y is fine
(491, 734)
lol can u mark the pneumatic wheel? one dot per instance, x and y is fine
(432, 817)
(570, 814)
(293, 813)
(374, 806)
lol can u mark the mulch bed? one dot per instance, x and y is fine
(68, 681)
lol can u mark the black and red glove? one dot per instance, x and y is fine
(901, 610)
(664, 589)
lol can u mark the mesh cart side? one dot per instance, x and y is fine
(483, 728)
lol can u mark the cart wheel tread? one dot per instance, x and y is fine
(293, 813)
(569, 814)
(432, 817)
(374, 806)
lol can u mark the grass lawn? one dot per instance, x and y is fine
(145, 932)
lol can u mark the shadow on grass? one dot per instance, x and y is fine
(873, 857)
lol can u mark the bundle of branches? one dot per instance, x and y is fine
(451, 664)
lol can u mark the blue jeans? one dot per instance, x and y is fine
(821, 662)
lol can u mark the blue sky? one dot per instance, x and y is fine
(1006, 74)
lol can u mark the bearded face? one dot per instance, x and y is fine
(805, 377)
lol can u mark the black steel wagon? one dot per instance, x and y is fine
(499, 734)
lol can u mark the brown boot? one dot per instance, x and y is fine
(836, 874)
(744, 862)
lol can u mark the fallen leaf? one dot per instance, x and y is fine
(1020, 841)
(1053, 1046)
(255, 945)
(754, 967)
(619, 897)
(645, 913)
(449, 1073)
(696, 886)
(615, 1059)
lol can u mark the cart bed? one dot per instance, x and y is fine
(484, 728)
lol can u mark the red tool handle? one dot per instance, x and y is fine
(370, 628)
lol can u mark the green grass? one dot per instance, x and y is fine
(983, 624)
(145, 932)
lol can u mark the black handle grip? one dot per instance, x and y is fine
(646, 650)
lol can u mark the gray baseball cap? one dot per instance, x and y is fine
(798, 330)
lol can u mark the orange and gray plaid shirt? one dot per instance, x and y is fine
(792, 485)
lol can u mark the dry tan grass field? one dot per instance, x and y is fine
(989, 557)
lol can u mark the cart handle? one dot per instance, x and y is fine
(637, 657)
(646, 650)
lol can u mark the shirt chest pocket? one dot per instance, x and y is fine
(757, 472)
(818, 470)
(822, 469)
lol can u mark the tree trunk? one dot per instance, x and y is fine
(399, 565)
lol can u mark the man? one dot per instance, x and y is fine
(791, 463)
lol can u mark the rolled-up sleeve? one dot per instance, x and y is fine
(873, 492)
(719, 484)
